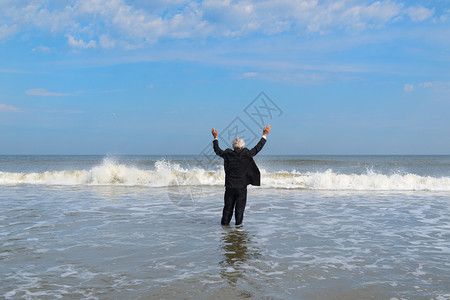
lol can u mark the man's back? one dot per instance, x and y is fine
(240, 168)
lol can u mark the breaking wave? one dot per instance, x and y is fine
(168, 174)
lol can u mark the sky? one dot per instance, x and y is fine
(118, 77)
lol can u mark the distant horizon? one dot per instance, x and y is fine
(259, 155)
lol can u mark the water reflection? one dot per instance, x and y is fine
(237, 251)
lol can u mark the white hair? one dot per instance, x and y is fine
(238, 143)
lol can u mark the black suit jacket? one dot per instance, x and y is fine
(240, 168)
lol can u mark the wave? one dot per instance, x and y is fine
(113, 173)
(371, 181)
(167, 174)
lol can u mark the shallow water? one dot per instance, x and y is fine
(140, 242)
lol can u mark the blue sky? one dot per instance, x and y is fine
(153, 77)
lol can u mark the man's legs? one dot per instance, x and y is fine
(241, 200)
(229, 201)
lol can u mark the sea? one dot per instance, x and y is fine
(148, 227)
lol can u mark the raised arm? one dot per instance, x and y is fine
(216, 143)
(261, 142)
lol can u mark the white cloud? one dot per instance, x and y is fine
(123, 19)
(42, 49)
(426, 84)
(8, 108)
(128, 24)
(6, 31)
(408, 87)
(355, 17)
(436, 84)
(250, 74)
(419, 13)
(106, 42)
(80, 43)
(44, 92)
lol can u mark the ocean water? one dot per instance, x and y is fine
(148, 227)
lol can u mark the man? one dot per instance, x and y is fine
(240, 171)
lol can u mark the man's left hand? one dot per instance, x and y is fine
(214, 133)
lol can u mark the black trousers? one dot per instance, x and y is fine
(235, 198)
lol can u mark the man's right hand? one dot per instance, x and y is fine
(266, 130)
(214, 132)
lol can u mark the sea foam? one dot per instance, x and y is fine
(370, 181)
(166, 173)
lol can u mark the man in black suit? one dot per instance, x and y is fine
(240, 171)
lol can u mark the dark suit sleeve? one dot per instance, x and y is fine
(258, 147)
(217, 148)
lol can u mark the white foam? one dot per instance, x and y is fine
(330, 180)
(108, 173)
(168, 174)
